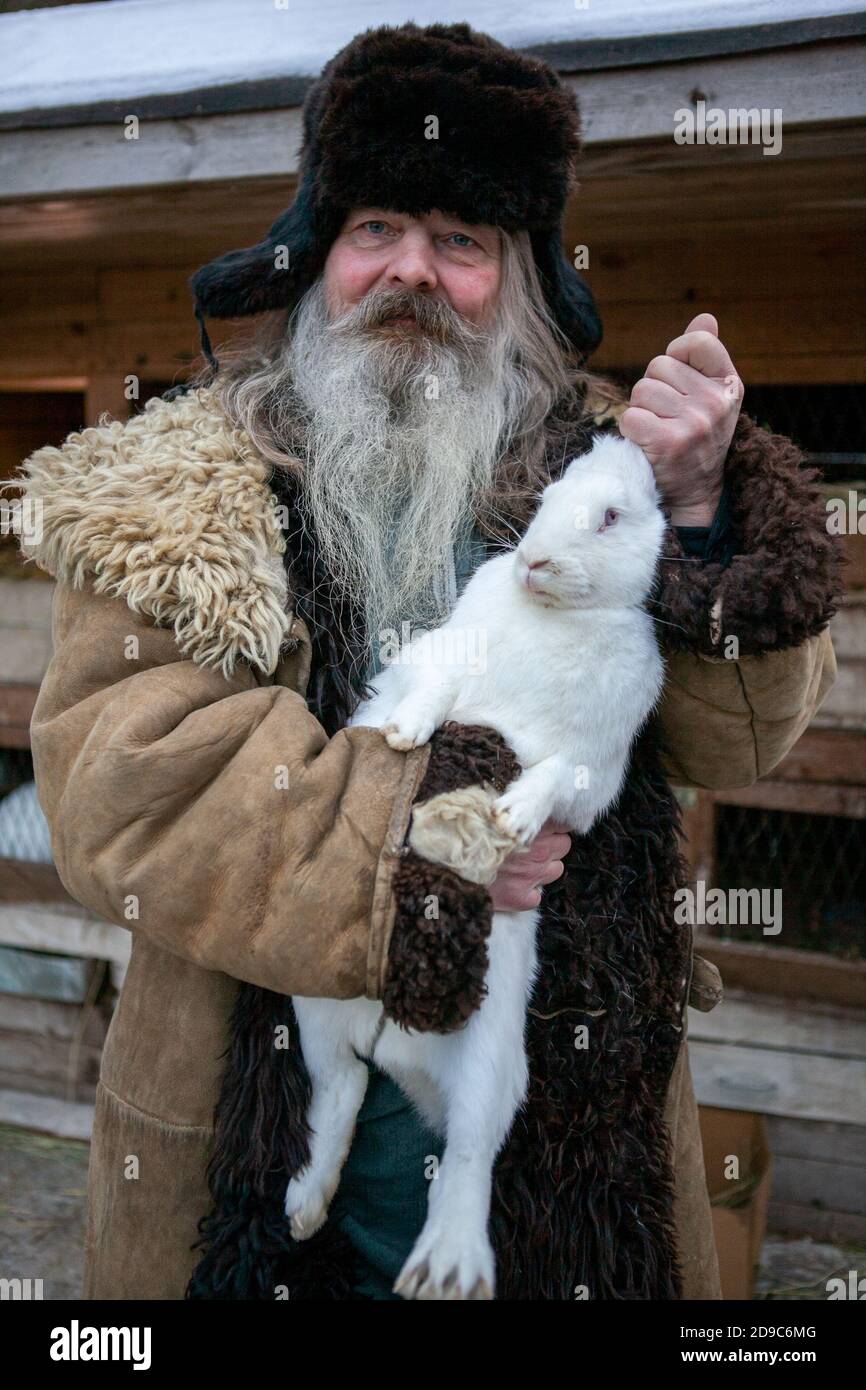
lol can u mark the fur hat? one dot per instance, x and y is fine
(504, 153)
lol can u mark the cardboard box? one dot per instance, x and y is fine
(739, 1173)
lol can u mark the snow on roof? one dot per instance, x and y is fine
(83, 54)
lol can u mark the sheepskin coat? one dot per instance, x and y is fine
(202, 791)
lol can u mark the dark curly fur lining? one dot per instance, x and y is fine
(261, 1139)
(438, 964)
(785, 581)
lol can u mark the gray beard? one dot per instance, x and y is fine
(403, 431)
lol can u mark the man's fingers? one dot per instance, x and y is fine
(658, 397)
(704, 352)
(544, 846)
(704, 323)
(678, 375)
(638, 425)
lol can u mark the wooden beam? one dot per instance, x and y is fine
(16, 711)
(778, 1083)
(813, 84)
(807, 798)
(825, 755)
(106, 394)
(787, 973)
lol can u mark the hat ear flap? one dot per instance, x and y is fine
(568, 295)
(270, 275)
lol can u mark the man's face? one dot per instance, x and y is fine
(434, 255)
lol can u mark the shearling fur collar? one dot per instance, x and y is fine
(172, 511)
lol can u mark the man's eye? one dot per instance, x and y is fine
(374, 224)
(467, 240)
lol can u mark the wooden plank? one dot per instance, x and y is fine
(805, 798)
(778, 1083)
(816, 1139)
(56, 1060)
(73, 291)
(33, 975)
(786, 973)
(26, 604)
(50, 1019)
(26, 654)
(67, 1119)
(845, 705)
(88, 158)
(825, 1183)
(822, 755)
(848, 628)
(636, 330)
(70, 930)
(16, 711)
(699, 833)
(779, 1026)
(690, 272)
(22, 881)
(812, 84)
(792, 1218)
(106, 395)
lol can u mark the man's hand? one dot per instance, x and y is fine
(683, 413)
(518, 884)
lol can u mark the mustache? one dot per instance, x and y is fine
(434, 317)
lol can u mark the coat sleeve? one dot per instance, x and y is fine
(214, 814)
(749, 657)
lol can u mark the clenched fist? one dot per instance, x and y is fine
(683, 413)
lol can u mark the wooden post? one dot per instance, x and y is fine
(106, 393)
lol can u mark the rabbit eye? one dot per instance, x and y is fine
(610, 517)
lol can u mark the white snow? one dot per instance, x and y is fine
(132, 48)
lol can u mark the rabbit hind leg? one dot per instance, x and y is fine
(329, 1029)
(482, 1071)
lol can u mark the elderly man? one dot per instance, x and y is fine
(420, 381)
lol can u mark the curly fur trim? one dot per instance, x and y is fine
(437, 965)
(460, 830)
(170, 510)
(784, 583)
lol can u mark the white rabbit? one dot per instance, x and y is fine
(550, 645)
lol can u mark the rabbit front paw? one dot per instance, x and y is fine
(408, 727)
(517, 813)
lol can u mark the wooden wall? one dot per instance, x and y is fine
(95, 288)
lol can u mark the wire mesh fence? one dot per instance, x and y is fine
(818, 864)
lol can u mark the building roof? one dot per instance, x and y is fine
(95, 63)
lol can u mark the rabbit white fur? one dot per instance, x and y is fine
(570, 673)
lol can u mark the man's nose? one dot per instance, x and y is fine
(412, 264)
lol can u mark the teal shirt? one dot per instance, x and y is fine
(381, 1203)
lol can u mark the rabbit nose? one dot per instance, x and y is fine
(537, 564)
